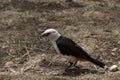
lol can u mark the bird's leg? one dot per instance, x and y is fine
(74, 64)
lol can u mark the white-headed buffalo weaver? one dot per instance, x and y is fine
(69, 49)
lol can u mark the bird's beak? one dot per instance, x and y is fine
(42, 35)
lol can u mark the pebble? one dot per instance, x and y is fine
(113, 68)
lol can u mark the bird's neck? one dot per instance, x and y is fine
(54, 43)
(55, 38)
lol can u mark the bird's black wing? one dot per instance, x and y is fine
(70, 48)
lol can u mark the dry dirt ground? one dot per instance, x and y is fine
(93, 24)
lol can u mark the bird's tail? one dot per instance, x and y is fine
(96, 62)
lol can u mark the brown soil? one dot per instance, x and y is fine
(93, 24)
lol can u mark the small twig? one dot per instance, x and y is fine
(24, 55)
(28, 53)
(12, 70)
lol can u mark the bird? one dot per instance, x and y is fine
(69, 49)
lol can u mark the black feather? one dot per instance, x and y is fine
(70, 48)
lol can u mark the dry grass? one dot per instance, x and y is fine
(93, 24)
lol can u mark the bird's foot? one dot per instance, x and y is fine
(76, 67)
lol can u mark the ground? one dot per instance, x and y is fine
(24, 55)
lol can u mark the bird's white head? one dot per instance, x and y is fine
(51, 34)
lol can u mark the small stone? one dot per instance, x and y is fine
(113, 53)
(113, 68)
(43, 56)
(9, 64)
(114, 49)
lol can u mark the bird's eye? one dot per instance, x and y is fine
(47, 34)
